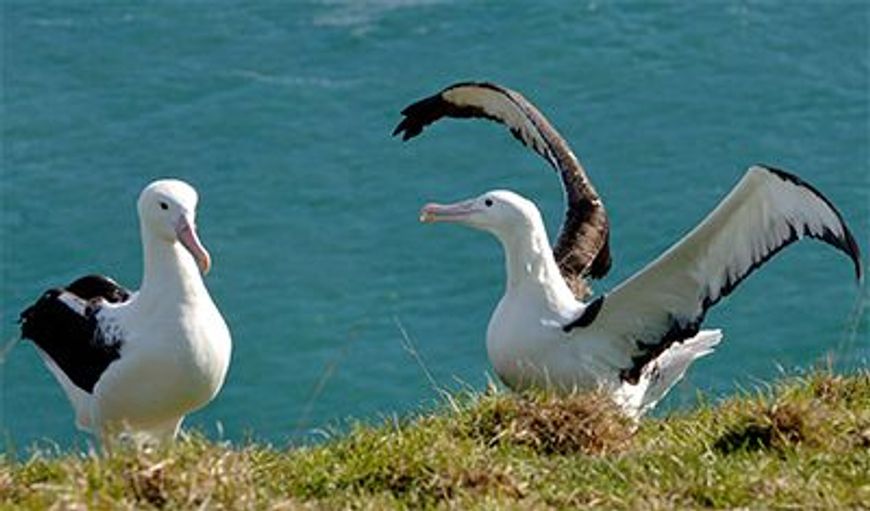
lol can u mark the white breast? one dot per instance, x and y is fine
(526, 344)
(173, 361)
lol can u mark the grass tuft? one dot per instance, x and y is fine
(548, 424)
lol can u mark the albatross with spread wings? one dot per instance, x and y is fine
(637, 340)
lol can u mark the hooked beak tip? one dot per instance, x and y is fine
(204, 264)
(433, 212)
(186, 232)
(427, 216)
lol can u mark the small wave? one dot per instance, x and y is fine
(54, 22)
(100, 21)
(290, 81)
(362, 13)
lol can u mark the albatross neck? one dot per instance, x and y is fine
(531, 266)
(170, 273)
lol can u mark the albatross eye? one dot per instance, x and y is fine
(488, 202)
(164, 205)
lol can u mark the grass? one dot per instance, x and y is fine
(801, 444)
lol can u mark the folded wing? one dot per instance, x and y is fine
(65, 325)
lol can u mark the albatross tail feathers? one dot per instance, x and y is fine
(664, 372)
(80, 400)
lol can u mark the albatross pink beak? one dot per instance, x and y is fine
(186, 232)
(457, 212)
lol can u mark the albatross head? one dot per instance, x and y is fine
(500, 212)
(167, 209)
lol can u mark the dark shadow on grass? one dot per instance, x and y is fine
(774, 428)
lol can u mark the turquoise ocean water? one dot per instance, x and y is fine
(280, 114)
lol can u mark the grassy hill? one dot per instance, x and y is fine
(804, 443)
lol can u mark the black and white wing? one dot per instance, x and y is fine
(665, 302)
(582, 249)
(64, 323)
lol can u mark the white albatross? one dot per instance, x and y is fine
(137, 363)
(582, 250)
(637, 340)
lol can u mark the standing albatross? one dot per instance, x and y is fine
(582, 249)
(138, 362)
(638, 340)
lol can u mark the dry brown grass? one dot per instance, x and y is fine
(550, 424)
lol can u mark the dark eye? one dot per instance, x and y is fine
(164, 205)
(488, 202)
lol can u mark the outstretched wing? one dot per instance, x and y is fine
(665, 302)
(64, 324)
(582, 249)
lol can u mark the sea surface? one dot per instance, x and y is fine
(339, 301)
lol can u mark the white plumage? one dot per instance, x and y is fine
(138, 363)
(638, 340)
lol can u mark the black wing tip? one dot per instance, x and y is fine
(424, 112)
(420, 114)
(846, 243)
(852, 250)
(407, 129)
